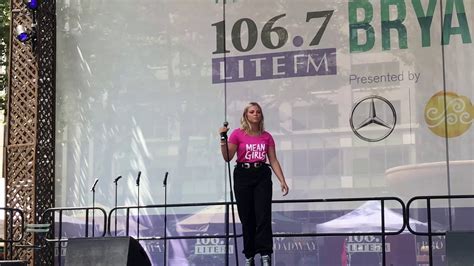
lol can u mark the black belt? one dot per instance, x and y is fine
(251, 165)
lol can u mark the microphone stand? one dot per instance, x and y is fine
(138, 205)
(165, 183)
(93, 205)
(224, 137)
(116, 190)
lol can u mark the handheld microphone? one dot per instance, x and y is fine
(117, 179)
(95, 183)
(166, 179)
(138, 177)
(224, 134)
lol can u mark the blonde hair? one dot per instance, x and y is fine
(244, 123)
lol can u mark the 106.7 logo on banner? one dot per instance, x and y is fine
(271, 65)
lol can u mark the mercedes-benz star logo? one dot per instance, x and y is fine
(372, 123)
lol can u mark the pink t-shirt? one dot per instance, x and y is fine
(251, 148)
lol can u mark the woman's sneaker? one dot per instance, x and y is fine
(266, 260)
(250, 261)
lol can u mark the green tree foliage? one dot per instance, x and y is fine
(4, 43)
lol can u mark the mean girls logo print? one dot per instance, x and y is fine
(255, 151)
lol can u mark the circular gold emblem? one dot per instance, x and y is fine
(457, 114)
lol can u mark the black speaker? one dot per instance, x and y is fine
(459, 247)
(13, 262)
(113, 251)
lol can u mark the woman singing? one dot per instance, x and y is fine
(252, 181)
